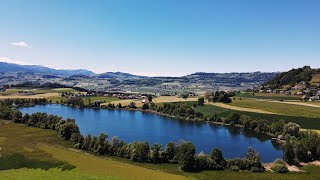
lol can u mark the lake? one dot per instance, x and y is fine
(153, 128)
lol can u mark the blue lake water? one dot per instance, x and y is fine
(135, 125)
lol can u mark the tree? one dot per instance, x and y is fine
(155, 153)
(200, 101)
(217, 156)
(150, 98)
(187, 153)
(233, 117)
(288, 153)
(170, 150)
(132, 105)
(185, 96)
(145, 106)
(140, 151)
(68, 128)
(253, 155)
(291, 129)
(86, 142)
(119, 106)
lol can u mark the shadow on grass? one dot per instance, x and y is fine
(17, 161)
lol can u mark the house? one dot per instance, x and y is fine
(314, 98)
(305, 98)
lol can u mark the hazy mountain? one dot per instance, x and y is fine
(9, 67)
(118, 75)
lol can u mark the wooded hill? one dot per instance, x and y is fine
(305, 75)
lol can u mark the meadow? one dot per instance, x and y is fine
(305, 122)
(269, 96)
(279, 108)
(40, 153)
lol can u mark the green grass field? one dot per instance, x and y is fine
(269, 96)
(40, 153)
(304, 122)
(280, 108)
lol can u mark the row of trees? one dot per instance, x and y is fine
(178, 110)
(23, 102)
(182, 152)
(219, 96)
(64, 127)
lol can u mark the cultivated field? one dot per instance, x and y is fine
(270, 96)
(161, 99)
(279, 108)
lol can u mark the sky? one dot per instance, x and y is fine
(161, 38)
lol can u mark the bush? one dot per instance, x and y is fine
(279, 168)
(235, 168)
(255, 169)
(279, 161)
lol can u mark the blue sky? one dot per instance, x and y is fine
(166, 37)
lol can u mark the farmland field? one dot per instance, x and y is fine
(158, 100)
(304, 122)
(279, 108)
(270, 96)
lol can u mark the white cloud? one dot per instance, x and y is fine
(8, 60)
(19, 44)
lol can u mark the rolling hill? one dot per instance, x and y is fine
(305, 75)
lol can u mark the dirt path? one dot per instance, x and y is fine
(222, 105)
(297, 103)
(290, 168)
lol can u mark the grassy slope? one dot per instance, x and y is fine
(39, 152)
(305, 122)
(270, 96)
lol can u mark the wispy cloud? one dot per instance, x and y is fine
(20, 44)
(8, 60)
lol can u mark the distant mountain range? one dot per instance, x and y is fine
(9, 67)
(82, 73)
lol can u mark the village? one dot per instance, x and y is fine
(302, 89)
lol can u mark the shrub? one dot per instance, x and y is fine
(279, 168)
(235, 168)
(255, 169)
(279, 161)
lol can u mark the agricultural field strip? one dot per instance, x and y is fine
(226, 106)
(288, 102)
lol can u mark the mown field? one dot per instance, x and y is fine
(304, 122)
(279, 108)
(32, 153)
(157, 100)
(270, 96)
